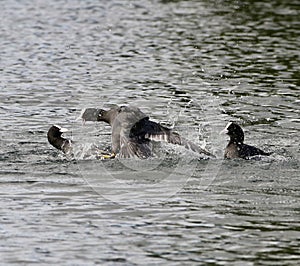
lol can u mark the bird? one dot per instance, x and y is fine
(67, 146)
(236, 147)
(55, 139)
(133, 131)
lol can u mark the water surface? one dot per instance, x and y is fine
(194, 65)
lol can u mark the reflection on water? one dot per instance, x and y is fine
(190, 64)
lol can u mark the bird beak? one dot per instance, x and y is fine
(224, 131)
(63, 130)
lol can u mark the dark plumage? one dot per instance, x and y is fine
(55, 139)
(132, 131)
(236, 147)
(67, 146)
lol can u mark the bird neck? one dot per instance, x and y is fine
(109, 116)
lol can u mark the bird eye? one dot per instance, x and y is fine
(122, 108)
(101, 113)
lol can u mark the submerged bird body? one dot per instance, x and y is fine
(132, 131)
(236, 147)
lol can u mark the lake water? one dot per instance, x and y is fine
(191, 65)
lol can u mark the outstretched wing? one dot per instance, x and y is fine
(130, 148)
(148, 130)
